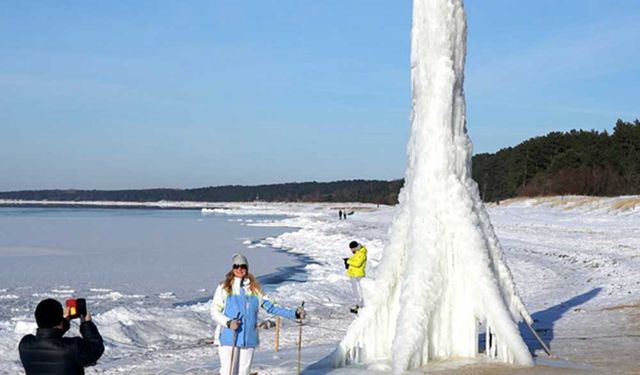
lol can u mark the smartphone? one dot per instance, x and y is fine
(77, 307)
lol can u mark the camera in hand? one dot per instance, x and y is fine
(77, 307)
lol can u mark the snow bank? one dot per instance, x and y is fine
(567, 266)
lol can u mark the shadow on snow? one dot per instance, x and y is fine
(545, 320)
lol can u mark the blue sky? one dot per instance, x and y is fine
(139, 94)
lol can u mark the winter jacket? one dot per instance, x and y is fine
(357, 263)
(49, 353)
(244, 305)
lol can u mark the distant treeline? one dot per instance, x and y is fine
(384, 192)
(575, 162)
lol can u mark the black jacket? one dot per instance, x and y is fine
(49, 353)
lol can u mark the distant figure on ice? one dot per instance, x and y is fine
(340, 214)
(49, 353)
(355, 266)
(235, 308)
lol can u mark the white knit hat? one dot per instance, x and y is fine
(239, 259)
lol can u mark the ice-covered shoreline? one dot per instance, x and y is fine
(575, 268)
(260, 206)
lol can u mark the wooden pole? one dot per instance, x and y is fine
(277, 344)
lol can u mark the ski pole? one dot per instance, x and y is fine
(544, 346)
(300, 339)
(232, 365)
(277, 344)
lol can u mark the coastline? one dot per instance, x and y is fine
(287, 273)
(115, 204)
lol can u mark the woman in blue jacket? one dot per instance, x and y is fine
(235, 308)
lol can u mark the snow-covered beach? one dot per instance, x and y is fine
(574, 261)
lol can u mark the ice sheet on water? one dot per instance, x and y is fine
(100, 290)
(63, 291)
(167, 295)
(115, 296)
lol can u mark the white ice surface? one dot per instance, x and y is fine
(574, 261)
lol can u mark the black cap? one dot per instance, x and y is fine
(353, 245)
(48, 313)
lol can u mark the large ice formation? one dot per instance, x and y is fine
(443, 275)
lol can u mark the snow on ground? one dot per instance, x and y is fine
(574, 261)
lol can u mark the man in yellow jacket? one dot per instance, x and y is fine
(355, 266)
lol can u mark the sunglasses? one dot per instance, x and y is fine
(242, 266)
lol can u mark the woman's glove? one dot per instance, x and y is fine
(300, 313)
(233, 324)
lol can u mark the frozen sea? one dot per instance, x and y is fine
(575, 262)
(153, 253)
(122, 257)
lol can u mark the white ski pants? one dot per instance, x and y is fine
(357, 289)
(242, 358)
